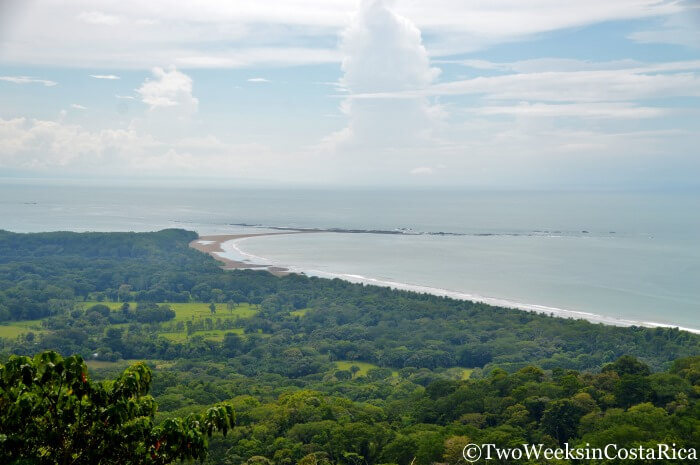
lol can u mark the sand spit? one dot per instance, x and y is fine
(212, 246)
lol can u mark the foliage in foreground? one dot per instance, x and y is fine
(624, 404)
(399, 422)
(52, 413)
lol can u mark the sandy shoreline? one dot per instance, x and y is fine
(212, 246)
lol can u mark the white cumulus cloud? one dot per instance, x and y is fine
(57, 146)
(168, 88)
(383, 52)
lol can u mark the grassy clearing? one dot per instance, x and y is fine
(458, 373)
(300, 313)
(199, 310)
(363, 366)
(14, 329)
(194, 310)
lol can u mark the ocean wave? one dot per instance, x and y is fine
(233, 251)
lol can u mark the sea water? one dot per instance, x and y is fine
(616, 257)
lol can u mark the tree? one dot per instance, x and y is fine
(124, 293)
(633, 389)
(561, 418)
(125, 309)
(212, 308)
(231, 343)
(454, 450)
(628, 365)
(100, 309)
(52, 413)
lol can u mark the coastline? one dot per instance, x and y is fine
(220, 243)
(212, 245)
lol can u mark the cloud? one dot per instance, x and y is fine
(98, 18)
(576, 110)
(579, 86)
(41, 145)
(457, 26)
(169, 88)
(183, 33)
(104, 76)
(422, 170)
(682, 28)
(541, 65)
(398, 119)
(615, 85)
(27, 80)
(383, 52)
(78, 106)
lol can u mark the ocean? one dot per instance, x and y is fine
(613, 257)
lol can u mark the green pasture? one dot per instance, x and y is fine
(194, 310)
(300, 313)
(14, 329)
(460, 373)
(363, 366)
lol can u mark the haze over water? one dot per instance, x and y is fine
(628, 256)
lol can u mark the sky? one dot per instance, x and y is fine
(590, 94)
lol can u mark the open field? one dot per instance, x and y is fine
(14, 329)
(299, 313)
(191, 311)
(363, 366)
(460, 373)
(194, 310)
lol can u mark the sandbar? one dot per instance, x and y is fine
(212, 246)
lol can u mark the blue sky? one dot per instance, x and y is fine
(499, 93)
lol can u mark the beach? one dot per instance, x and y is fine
(212, 245)
(227, 249)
